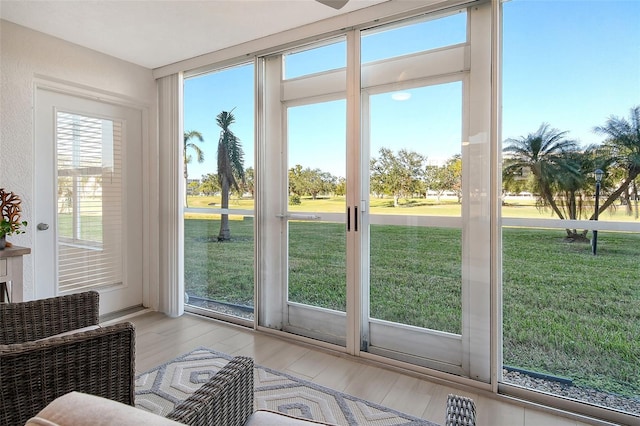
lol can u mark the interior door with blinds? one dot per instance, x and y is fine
(88, 199)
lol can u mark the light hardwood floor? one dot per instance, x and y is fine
(160, 339)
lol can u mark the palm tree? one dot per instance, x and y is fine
(623, 147)
(230, 165)
(572, 186)
(192, 134)
(544, 154)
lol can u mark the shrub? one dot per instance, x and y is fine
(294, 200)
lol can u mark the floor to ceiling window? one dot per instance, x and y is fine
(369, 227)
(383, 217)
(303, 279)
(571, 285)
(413, 128)
(219, 204)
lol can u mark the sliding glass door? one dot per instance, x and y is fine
(415, 227)
(302, 249)
(316, 263)
(373, 218)
(428, 193)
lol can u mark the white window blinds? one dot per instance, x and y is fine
(88, 155)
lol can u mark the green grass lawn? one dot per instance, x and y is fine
(566, 312)
(572, 314)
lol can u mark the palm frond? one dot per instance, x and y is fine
(230, 153)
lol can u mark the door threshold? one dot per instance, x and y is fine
(118, 316)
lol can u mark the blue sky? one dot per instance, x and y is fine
(571, 64)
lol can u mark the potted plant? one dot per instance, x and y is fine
(10, 223)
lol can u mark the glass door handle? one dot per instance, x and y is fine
(299, 216)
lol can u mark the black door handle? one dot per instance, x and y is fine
(355, 218)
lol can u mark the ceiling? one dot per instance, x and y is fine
(154, 33)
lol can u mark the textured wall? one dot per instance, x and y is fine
(26, 55)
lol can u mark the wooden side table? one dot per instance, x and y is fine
(11, 273)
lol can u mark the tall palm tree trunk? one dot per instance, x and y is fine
(185, 186)
(225, 232)
(635, 198)
(230, 165)
(548, 195)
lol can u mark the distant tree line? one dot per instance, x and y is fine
(209, 185)
(402, 176)
(408, 175)
(546, 163)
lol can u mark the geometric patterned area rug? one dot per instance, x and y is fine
(160, 389)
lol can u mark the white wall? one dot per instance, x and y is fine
(27, 55)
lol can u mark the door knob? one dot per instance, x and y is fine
(42, 227)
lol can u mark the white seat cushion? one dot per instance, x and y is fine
(80, 409)
(271, 418)
(71, 332)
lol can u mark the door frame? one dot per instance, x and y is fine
(475, 341)
(148, 265)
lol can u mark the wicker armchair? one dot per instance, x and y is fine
(34, 372)
(225, 400)
(461, 411)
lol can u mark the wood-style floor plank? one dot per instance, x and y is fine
(437, 407)
(409, 395)
(160, 338)
(311, 364)
(535, 417)
(496, 412)
(373, 384)
(339, 373)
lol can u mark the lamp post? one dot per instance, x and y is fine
(594, 244)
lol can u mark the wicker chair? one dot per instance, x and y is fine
(100, 362)
(34, 372)
(461, 411)
(225, 400)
